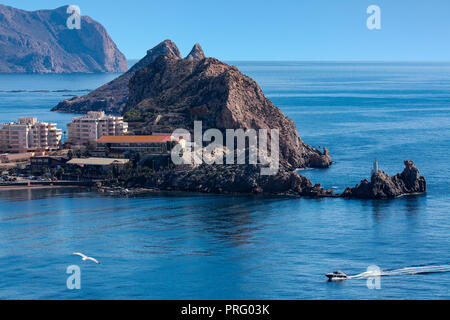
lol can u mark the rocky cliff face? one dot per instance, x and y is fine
(382, 186)
(41, 42)
(113, 96)
(172, 93)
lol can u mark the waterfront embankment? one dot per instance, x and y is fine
(44, 185)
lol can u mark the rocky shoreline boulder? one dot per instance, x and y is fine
(382, 186)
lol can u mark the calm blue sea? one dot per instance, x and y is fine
(178, 246)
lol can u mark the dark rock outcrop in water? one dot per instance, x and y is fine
(40, 42)
(382, 186)
(248, 180)
(113, 96)
(230, 179)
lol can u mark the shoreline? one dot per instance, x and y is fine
(35, 187)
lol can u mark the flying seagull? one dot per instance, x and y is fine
(85, 258)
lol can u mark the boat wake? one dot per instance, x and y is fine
(402, 272)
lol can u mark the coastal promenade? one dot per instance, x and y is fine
(44, 184)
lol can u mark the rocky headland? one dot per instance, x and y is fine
(164, 92)
(40, 42)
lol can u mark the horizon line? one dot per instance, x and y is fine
(320, 60)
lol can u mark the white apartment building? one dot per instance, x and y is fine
(28, 134)
(95, 125)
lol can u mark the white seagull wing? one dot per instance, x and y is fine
(92, 259)
(80, 254)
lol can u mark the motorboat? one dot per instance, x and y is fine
(336, 276)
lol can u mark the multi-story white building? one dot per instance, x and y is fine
(95, 125)
(29, 134)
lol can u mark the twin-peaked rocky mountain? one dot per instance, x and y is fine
(164, 92)
(41, 42)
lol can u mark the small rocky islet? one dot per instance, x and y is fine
(164, 92)
(383, 186)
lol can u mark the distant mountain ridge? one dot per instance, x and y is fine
(40, 42)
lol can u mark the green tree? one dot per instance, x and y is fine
(78, 172)
(60, 173)
(90, 147)
(108, 149)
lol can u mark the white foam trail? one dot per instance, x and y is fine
(402, 272)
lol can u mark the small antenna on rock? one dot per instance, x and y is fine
(375, 168)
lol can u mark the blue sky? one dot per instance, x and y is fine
(273, 30)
